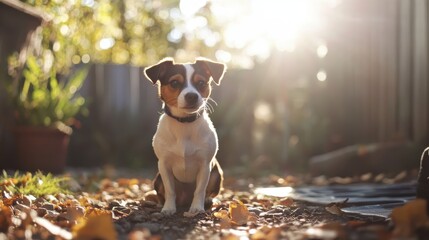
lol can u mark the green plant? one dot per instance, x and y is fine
(42, 100)
(37, 184)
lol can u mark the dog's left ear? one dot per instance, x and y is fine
(216, 69)
(154, 72)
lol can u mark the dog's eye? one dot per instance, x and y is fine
(175, 84)
(201, 84)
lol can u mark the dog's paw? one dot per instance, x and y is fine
(168, 210)
(191, 214)
(193, 211)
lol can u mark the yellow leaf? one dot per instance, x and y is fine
(92, 211)
(238, 212)
(222, 214)
(95, 227)
(409, 217)
(225, 221)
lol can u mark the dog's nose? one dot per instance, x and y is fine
(191, 98)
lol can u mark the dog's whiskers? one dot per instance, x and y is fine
(208, 106)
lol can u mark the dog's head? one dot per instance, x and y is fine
(185, 87)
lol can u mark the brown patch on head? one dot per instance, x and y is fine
(201, 82)
(215, 69)
(170, 88)
(170, 78)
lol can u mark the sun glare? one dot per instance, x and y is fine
(253, 27)
(272, 23)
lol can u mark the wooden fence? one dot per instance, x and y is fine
(379, 63)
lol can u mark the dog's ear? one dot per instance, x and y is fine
(216, 69)
(154, 72)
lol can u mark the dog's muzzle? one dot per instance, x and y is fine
(191, 100)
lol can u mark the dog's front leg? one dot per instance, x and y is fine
(203, 176)
(170, 194)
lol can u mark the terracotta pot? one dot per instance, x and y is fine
(41, 148)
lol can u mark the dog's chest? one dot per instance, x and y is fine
(185, 149)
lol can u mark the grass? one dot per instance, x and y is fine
(37, 184)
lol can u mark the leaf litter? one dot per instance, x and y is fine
(126, 208)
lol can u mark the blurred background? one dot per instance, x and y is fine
(309, 82)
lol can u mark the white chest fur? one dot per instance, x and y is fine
(185, 148)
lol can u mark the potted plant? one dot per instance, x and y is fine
(44, 111)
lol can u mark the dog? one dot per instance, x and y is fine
(185, 141)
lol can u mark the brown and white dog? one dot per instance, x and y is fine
(186, 141)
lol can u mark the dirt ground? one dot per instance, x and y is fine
(133, 213)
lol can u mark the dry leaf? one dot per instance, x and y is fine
(334, 209)
(127, 182)
(225, 221)
(222, 214)
(238, 212)
(73, 213)
(92, 211)
(5, 218)
(409, 217)
(286, 201)
(95, 227)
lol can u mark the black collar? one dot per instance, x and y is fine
(188, 119)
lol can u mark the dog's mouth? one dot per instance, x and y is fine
(192, 109)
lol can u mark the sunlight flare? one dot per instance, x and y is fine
(271, 23)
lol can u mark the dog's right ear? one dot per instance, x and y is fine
(154, 72)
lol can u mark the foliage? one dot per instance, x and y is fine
(37, 184)
(103, 31)
(43, 100)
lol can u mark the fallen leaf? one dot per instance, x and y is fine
(95, 227)
(286, 202)
(5, 218)
(409, 217)
(221, 214)
(92, 211)
(334, 209)
(73, 213)
(238, 212)
(127, 182)
(225, 221)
